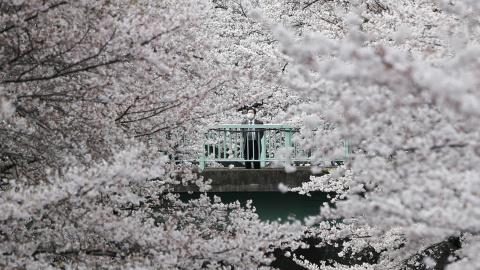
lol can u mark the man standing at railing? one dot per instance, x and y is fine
(252, 140)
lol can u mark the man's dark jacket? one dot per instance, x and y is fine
(258, 132)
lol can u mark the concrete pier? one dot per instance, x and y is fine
(251, 180)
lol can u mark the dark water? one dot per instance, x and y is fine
(274, 205)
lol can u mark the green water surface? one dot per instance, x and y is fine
(274, 205)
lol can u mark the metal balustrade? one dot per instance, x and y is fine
(225, 144)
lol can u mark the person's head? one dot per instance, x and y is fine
(251, 113)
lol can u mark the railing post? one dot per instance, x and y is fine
(201, 160)
(347, 151)
(288, 143)
(263, 154)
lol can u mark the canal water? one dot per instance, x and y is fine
(274, 205)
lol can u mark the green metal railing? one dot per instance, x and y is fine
(226, 143)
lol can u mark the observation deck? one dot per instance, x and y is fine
(281, 156)
(279, 144)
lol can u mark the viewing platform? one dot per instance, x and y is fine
(278, 144)
(222, 158)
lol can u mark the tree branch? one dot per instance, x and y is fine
(94, 252)
(309, 4)
(65, 73)
(8, 28)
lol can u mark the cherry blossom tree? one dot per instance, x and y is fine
(95, 97)
(399, 79)
(153, 82)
